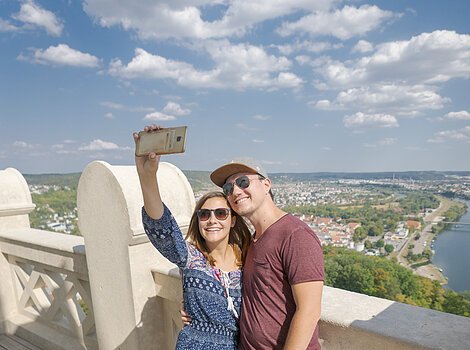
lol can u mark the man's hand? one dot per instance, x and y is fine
(185, 317)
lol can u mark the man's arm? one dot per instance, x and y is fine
(307, 297)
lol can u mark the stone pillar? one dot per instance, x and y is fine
(15, 205)
(120, 259)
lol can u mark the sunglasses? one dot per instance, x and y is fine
(242, 182)
(220, 214)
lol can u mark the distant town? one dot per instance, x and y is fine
(325, 204)
(354, 192)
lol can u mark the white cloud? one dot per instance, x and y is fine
(258, 141)
(238, 66)
(326, 148)
(174, 108)
(303, 59)
(428, 58)
(287, 80)
(119, 106)
(451, 135)
(309, 46)
(112, 105)
(64, 151)
(385, 142)
(369, 145)
(363, 46)
(244, 127)
(22, 145)
(100, 145)
(261, 117)
(271, 162)
(322, 104)
(461, 115)
(343, 24)
(184, 18)
(388, 141)
(109, 115)
(400, 99)
(62, 55)
(33, 14)
(362, 121)
(159, 116)
(6, 26)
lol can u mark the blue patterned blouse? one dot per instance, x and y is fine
(214, 324)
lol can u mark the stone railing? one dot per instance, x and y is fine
(44, 291)
(122, 294)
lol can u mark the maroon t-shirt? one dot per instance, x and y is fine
(287, 253)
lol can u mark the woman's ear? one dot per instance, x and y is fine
(234, 220)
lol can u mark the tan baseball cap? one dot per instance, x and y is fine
(245, 165)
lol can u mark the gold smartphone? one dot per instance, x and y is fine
(163, 141)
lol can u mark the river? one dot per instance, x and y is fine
(452, 253)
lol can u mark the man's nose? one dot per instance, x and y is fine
(236, 190)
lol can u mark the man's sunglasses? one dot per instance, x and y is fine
(242, 182)
(220, 214)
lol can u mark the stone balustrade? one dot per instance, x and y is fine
(110, 289)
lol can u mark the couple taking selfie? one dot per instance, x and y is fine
(240, 290)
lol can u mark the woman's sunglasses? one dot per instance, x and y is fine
(242, 182)
(220, 214)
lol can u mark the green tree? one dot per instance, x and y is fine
(383, 278)
(375, 230)
(380, 243)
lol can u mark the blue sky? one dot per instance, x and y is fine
(300, 85)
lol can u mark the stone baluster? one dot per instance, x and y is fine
(129, 314)
(15, 205)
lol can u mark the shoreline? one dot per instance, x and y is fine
(430, 270)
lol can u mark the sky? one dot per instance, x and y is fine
(299, 85)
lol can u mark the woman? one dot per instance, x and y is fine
(210, 259)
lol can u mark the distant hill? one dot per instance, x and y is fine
(69, 180)
(200, 180)
(404, 175)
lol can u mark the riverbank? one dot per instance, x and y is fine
(432, 272)
(426, 238)
(451, 249)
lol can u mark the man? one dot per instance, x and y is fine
(283, 273)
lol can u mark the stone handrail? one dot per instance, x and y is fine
(51, 300)
(44, 291)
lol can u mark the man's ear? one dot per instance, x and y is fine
(267, 185)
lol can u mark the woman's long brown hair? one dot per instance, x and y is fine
(239, 236)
